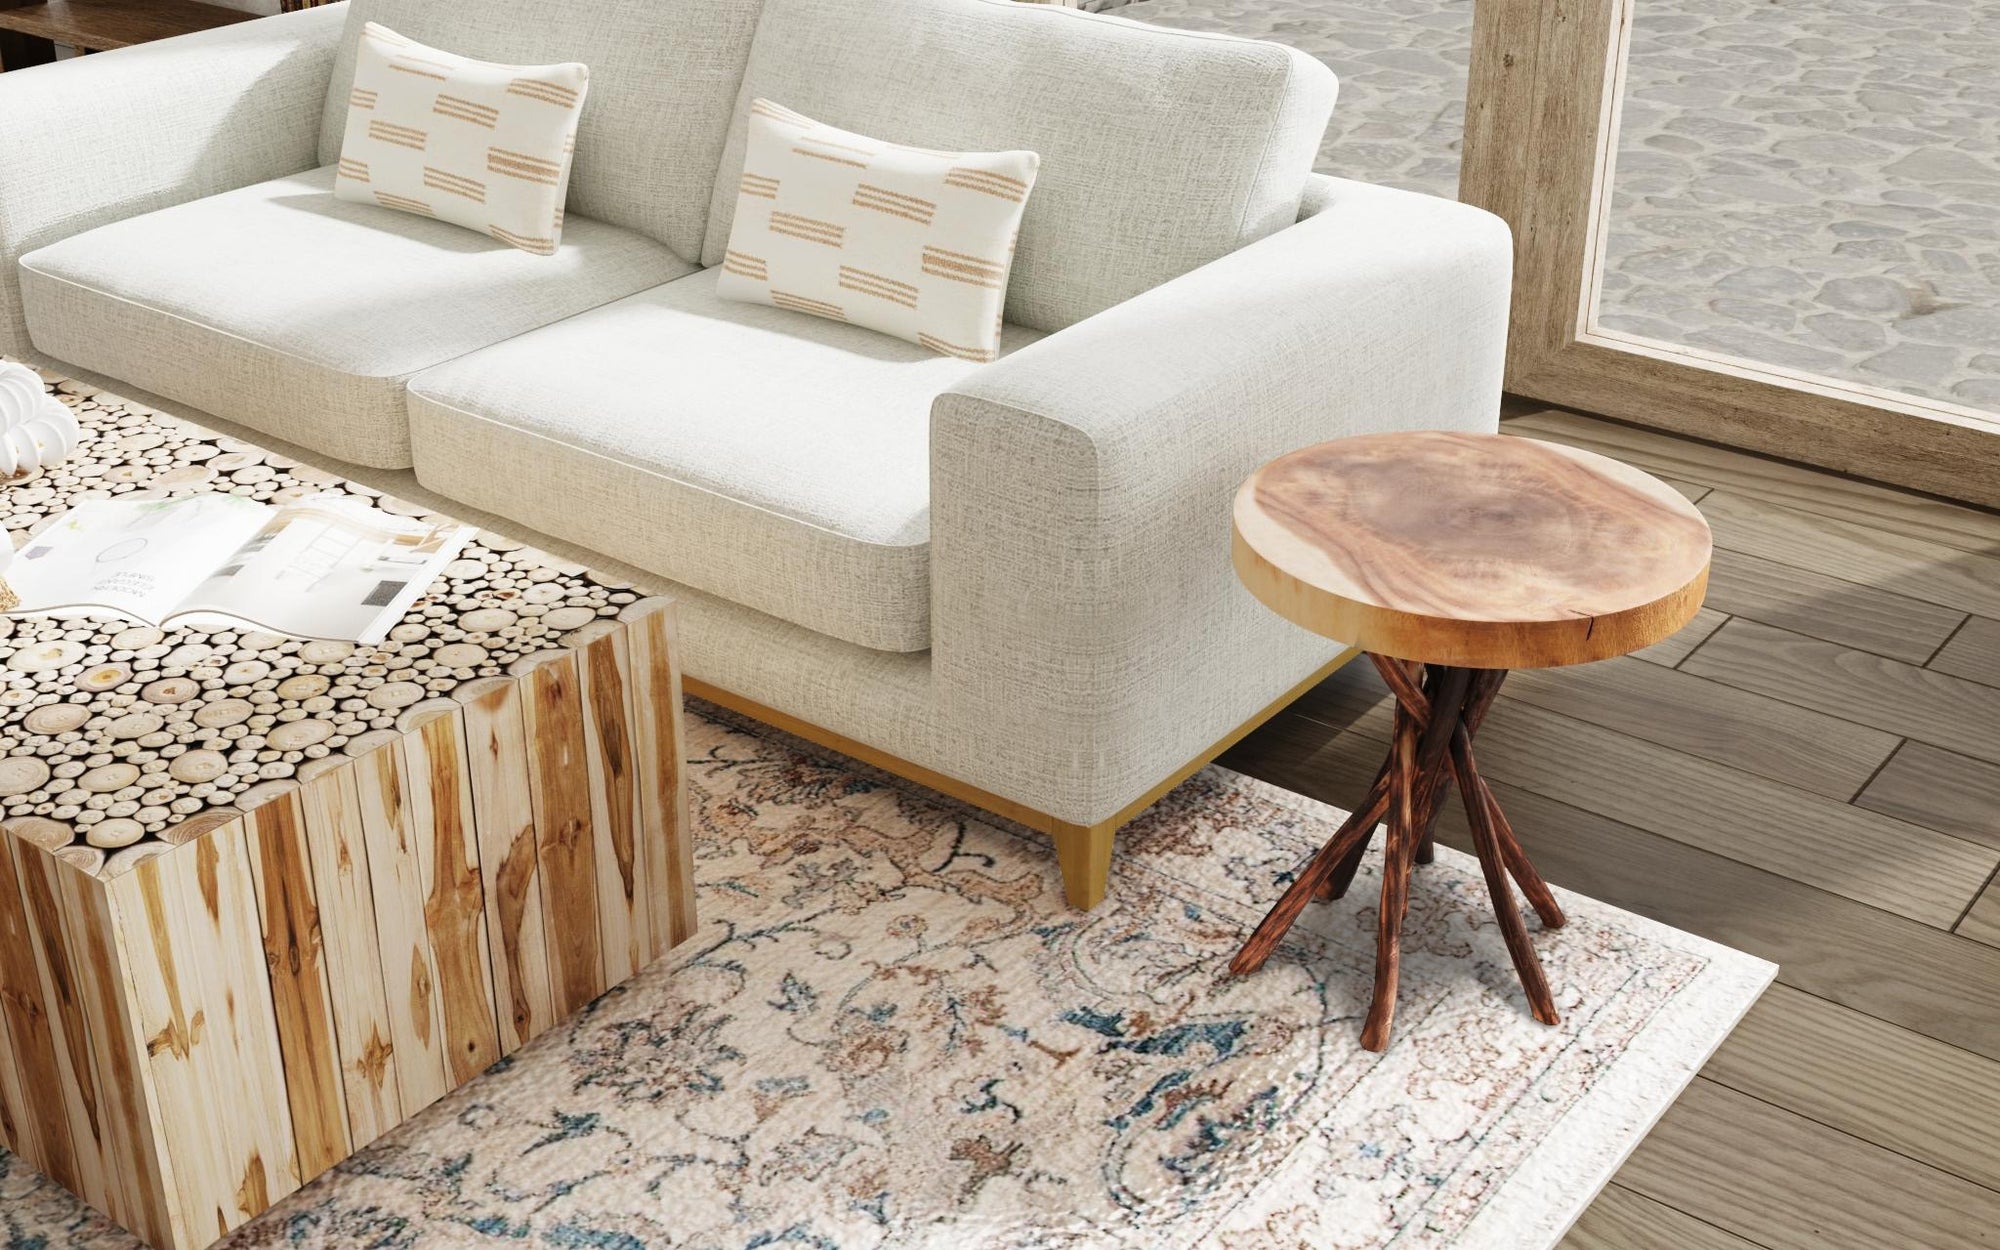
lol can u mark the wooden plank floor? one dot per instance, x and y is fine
(1809, 772)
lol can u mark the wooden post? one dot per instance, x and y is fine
(559, 778)
(509, 861)
(301, 997)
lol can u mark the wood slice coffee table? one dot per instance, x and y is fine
(1450, 559)
(264, 898)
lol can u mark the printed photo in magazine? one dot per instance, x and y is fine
(326, 566)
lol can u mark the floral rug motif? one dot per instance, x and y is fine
(890, 1032)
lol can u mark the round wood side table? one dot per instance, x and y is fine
(1450, 559)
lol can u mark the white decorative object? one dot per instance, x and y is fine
(36, 429)
(908, 241)
(479, 145)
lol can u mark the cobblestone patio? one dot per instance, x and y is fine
(1813, 184)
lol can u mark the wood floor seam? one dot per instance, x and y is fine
(1855, 798)
(1773, 821)
(1955, 632)
(1926, 684)
(1896, 1024)
(1726, 1232)
(1991, 878)
(1847, 1133)
(1680, 665)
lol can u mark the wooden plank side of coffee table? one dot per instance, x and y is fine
(267, 898)
(188, 1040)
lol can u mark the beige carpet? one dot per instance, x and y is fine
(889, 1031)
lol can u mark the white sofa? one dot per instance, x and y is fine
(1010, 580)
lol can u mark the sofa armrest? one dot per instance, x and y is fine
(99, 138)
(1082, 590)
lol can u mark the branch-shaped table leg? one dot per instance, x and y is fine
(1419, 757)
(1479, 809)
(1438, 710)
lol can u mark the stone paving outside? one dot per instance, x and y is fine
(1812, 183)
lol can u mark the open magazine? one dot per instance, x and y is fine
(326, 566)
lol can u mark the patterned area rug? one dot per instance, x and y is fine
(890, 1032)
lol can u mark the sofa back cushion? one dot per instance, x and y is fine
(663, 81)
(1160, 149)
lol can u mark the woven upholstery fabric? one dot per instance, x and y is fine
(1160, 149)
(479, 145)
(663, 82)
(908, 241)
(301, 315)
(778, 460)
(1083, 604)
(106, 137)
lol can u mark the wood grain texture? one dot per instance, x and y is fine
(508, 862)
(1862, 855)
(40, 1106)
(281, 869)
(132, 1134)
(1678, 645)
(1797, 486)
(440, 800)
(100, 25)
(1870, 1079)
(1623, 1220)
(1915, 568)
(559, 775)
(1691, 491)
(625, 938)
(1786, 1182)
(336, 842)
(12, 1101)
(1920, 703)
(1466, 549)
(409, 969)
(660, 743)
(1982, 919)
(1938, 789)
(1852, 614)
(1973, 652)
(1753, 733)
(189, 921)
(62, 974)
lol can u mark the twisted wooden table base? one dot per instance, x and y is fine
(1438, 710)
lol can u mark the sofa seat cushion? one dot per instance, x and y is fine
(774, 459)
(291, 312)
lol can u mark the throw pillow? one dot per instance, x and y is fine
(476, 144)
(908, 241)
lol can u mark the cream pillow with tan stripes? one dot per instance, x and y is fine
(911, 242)
(480, 145)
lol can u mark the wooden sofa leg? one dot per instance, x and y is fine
(1084, 854)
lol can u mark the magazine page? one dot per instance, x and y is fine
(329, 566)
(138, 559)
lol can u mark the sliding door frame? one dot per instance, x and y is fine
(1541, 141)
